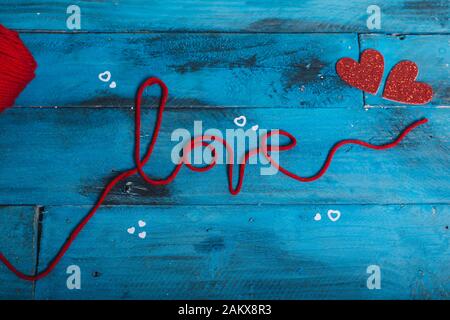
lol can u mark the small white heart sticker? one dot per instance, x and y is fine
(334, 215)
(142, 234)
(240, 121)
(105, 76)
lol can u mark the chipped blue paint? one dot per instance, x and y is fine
(275, 65)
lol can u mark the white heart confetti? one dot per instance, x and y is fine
(112, 85)
(131, 230)
(334, 215)
(240, 121)
(105, 76)
(142, 234)
(317, 217)
(255, 127)
(141, 223)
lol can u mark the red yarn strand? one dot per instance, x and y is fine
(195, 143)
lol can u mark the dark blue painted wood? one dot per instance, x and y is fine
(18, 241)
(236, 16)
(201, 70)
(248, 251)
(66, 156)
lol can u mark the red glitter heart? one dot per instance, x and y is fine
(365, 75)
(401, 85)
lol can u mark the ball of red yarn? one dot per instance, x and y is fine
(17, 67)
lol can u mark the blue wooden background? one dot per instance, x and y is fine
(272, 61)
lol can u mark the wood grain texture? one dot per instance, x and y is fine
(201, 70)
(223, 70)
(430, 53)
(18, 230)
(272, 61)
(398, 16)
(250, 252)
(71, 153)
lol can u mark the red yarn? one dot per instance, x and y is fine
(17, 67)
(195, 143)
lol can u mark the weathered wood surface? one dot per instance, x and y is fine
(250, 252)
(399, 16)
(66, 156)
(223, 70)
(272, 61)
(201, 70)
(19, 230)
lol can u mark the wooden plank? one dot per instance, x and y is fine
(201, 70)
(67, 155)
(430, 53)
(235, 16)
(250, 252)
(18, 232)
